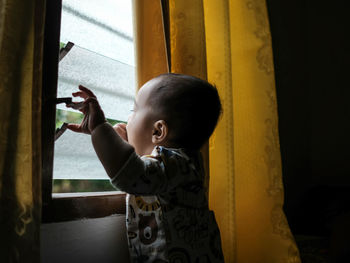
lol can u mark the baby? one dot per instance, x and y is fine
(155, 159)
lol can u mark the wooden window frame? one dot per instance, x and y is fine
(72, 206)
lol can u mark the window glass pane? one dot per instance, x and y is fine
(101, 59)
(110, 80)
(102, 26)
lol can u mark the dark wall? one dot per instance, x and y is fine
(88, 240)
(311, 56)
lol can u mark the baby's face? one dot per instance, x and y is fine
(140, 123)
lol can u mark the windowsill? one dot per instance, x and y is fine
(85, 194)
(75, 206)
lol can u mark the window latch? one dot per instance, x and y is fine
(61, 130)
(66, 100)
(69, 103)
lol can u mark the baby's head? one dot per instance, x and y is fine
(175, 111)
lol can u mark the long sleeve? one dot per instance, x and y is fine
(161, 172)
(112, 150)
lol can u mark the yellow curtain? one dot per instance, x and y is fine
(187, 47)
(229, 43)
(21, 37)
(246, 189)
(150, 51)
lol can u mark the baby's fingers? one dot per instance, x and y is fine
(87, 91)
(77, 106)
(74, 127)
(80, 94)
(120, 126)
(93, 104)
(120, 129)
(84, 93)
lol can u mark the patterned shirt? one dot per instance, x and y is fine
(168, 219)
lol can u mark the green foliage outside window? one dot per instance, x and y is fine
(74, 117)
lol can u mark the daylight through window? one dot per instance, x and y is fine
(101, 59)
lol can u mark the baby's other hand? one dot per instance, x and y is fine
(120, 128)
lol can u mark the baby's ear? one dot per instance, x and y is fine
(160, 132)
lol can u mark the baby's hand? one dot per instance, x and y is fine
(93, 114)
(120, 128)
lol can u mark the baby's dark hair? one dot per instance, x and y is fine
(190, 106)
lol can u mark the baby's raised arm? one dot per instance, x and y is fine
(110, 148)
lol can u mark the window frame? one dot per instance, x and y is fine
(65, 206)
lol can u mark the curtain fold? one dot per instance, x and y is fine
(150, 47)
(187, 38)
(188, 49)
(187, 43)
(246, 189)
(21, 38)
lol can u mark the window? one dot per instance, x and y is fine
(102, 59)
